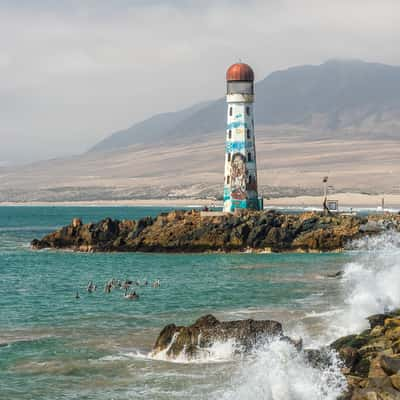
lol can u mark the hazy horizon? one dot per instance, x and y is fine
(72, 73)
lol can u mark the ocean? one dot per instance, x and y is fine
(55, 346)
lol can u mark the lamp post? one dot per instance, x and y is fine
(324, 204)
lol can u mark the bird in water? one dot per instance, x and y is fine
(131, 296)
(156, 284)
(91, 287)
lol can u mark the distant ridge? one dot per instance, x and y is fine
(334, 95)
(340, 119)
(155, 129)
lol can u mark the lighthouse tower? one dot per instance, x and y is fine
(240, 188)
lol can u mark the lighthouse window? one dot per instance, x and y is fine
(230, 134)
(248, 110)
(248, 156)
(228, 179)
(248, 133)
(230, 111)
(250, 179)
(229, 156)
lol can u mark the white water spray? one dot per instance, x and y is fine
(370, 284)
(219, 351)
(277, 371)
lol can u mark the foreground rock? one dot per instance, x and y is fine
(192, 231)
(372, 359)
(194, 340)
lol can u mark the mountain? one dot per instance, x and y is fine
(341, 119)
(336, 95)
(155, 129)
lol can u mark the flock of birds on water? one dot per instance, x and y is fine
(122, 285)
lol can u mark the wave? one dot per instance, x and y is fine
(328, 313)
(9, 340)
(277, 371)
(219, 351)
(370, 283)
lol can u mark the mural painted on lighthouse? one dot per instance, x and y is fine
(240, 188)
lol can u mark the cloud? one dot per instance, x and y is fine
(72, 72)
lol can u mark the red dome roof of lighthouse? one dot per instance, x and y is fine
(240, 72)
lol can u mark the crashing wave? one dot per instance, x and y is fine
(370, 284)
(278, 371)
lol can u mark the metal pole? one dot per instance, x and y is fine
(324, 204)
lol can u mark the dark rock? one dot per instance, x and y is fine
(256, 235)
(377, 319)
(274, 237)
(208, 330)
(335, 274)
(207, 321)
(350, 357)
(390, 365)
(354, 341)
(319, 358)
(308, 224)
(144, 222)
(242, 232)
(361, 367)
(165, 336)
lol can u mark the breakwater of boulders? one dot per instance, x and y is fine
(196, 231)
(371, 359)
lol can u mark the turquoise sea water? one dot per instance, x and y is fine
(53, 346)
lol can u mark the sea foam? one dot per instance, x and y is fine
(219, 351)
(370, 283)
(277, 371)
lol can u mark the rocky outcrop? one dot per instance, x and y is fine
(371, 360)
(192, 341)
(190, 231)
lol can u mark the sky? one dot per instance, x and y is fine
(74, 71)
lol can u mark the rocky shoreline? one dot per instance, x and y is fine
(370, 361)
(196, 231)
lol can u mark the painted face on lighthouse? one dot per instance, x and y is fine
(238, 177)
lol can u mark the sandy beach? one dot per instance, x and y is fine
(346, 200)
(119, 203)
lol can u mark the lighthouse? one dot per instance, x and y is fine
(240, 187)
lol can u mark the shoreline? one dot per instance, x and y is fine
(346, 201)
(115, 203)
